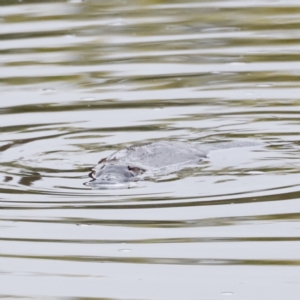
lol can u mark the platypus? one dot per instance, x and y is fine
(153, 159)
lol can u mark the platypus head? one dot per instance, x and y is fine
(112, 174)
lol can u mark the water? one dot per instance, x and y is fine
(82, 79)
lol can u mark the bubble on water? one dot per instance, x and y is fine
(237, 63)
(255, 172)
(124, 250)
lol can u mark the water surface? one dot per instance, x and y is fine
(82, 79)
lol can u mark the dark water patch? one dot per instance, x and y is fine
(158, 241)
(164, 261)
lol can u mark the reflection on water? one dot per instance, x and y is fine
(83, 79)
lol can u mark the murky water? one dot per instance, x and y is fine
(80, 80)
